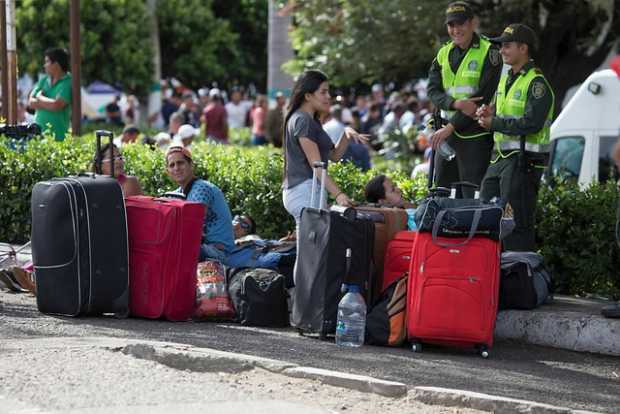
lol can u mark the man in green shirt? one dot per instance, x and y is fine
(520, 122)
(51, 96)
(463, 75)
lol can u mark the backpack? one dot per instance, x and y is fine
(525, 283)
(385, 324)
(259, 296)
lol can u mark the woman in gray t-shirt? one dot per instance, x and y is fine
(305, 142)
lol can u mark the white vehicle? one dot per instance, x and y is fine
(586, 130)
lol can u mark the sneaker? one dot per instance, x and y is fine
(611, 311)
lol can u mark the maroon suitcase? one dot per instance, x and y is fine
(453, 292)
(164, 242)
(397, 257)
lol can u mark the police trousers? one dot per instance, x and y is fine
(507, 180)
(470, 163)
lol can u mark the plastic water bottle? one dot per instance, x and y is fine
(444, 149)
(351, 322)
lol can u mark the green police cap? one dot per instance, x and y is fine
(517, 33)
(458, 12)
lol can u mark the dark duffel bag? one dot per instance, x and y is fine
(525, 283)
(457, 217)
(259, 297)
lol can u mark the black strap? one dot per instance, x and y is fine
(189, 186)
(472, 229)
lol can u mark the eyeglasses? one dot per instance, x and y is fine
(243, 223)
(118, 158)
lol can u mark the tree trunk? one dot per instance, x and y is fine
(152, 110)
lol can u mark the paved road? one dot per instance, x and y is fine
(568, 379)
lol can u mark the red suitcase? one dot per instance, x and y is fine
(397, 257)
(453, 292)
(164, 242)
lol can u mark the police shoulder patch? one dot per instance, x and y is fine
(538, 89)
(494, 57)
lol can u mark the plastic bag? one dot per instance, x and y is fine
(212, 299)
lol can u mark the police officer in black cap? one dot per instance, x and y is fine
(463, 76)
(520, 121)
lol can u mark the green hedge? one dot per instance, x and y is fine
(576, 233)
(575, 228)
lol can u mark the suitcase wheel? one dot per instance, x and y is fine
(483, 351)
(416, 347)
(122, 315)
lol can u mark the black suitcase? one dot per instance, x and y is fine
(324, 237)
(79, 246)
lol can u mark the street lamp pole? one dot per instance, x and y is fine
(11, 46)
(4, 62)
(76, 96)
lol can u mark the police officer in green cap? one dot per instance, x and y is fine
(520, 119)
(463, 76)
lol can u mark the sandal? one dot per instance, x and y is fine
(7, 279)
(24, 279)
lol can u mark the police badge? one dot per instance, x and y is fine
(538, 90)
(494, 57)
(472, 65)
(517, 94)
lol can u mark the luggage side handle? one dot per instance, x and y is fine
(472, 229)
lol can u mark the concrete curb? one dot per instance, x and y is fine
(187, 357)
(567, 330)
(356, 382)
(485, 402)
(184, 357)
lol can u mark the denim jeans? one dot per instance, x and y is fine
(209, 251)
(298, 197)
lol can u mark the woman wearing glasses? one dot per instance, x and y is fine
(102, 164)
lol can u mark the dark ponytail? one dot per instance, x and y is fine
(308, 82)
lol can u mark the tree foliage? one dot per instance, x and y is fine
(248, 18)
(114, 43)
(365, 40)
(201, 40)
(196, 46)
(396, 40)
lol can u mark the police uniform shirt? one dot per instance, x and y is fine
(537, 105)
(489, 78)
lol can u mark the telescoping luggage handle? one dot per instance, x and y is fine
(315, 165)
(99, 159)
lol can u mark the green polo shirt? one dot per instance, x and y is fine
(56, 122)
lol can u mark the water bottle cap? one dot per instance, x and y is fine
(354, 288)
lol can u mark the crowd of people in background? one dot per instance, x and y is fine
(211, 113)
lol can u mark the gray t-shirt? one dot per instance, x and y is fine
(302, 125)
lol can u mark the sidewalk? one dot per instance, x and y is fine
(569, 323)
